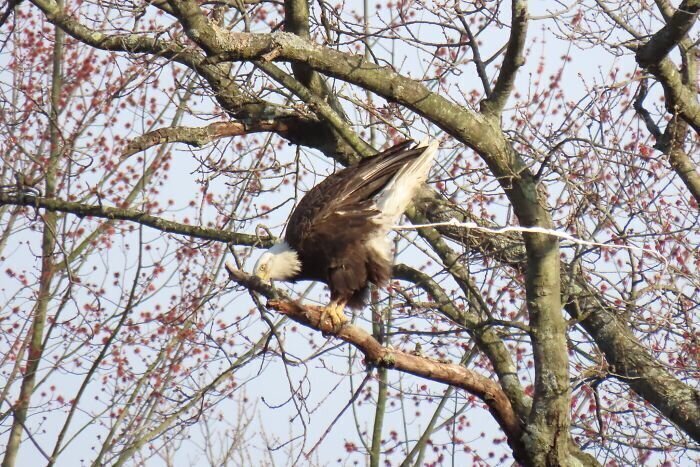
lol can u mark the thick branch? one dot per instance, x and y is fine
(321, 108)
(477, 131)
(447, 373)
(244, 107)
(673, 144)
(512, 61)
(139, 43)
(296, 21)
(455, 375)
(670, 35)
(672, 141)
(481, 133)
(35, 338)
(681, 98)
(199, 137)
(631, 362)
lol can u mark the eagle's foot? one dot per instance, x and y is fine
(334, 312)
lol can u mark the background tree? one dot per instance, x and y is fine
(144, 143)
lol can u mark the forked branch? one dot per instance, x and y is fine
(376, 354)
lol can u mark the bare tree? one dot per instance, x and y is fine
(545, 302)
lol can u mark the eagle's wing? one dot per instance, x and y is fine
(343, 208)
(364, 181)
(340, 227)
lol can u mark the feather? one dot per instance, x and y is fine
(395, 197)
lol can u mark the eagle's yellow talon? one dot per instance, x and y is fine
(334, 312)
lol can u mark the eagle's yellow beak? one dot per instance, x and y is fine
(262, 270)
(263, 273)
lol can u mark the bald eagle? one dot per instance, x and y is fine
(338, 233)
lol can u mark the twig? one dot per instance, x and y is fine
(335, 420)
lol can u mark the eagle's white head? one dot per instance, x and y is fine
(278, 263)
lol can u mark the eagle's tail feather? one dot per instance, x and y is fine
(395, 197)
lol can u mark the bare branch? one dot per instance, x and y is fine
(323, 109)
(680, 95)
(199, 137)
(638, 106)
(512, 61)
(448, 373)
(670, 35)
(476, 54)
(134, 215)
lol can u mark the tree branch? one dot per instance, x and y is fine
(321, 108)
(377, 355)
(670, 35)
(296, 21)
(106, 212)
(447, 373)
(512, 61)
(681, 97)
(638, 106)
(630, 361)
(246, 108)
(199, 137)
(488, 340)
(476, 54)
(35, 339)
(481, 133)
(673, 142)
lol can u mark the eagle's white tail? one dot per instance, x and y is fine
(398, 193)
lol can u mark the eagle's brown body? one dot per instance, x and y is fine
(332, 226)
(338, 232)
